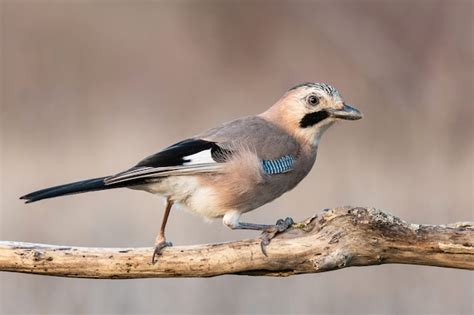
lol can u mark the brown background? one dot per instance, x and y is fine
(91, 87)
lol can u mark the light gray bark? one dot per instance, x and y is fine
(335, 239)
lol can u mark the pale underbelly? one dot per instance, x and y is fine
(187, 191)
(214, 198)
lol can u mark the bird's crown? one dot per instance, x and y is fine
(323, 87)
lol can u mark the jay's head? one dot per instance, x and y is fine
(309, 109)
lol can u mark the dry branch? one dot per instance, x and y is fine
(334, 239)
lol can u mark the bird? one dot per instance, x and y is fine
(234, 168)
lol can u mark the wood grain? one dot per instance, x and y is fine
(334, 239)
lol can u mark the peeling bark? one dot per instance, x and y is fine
(335, 239)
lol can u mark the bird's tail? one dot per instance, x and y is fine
(69, 189)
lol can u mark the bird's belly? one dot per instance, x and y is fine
(188, 191)
(213, 195)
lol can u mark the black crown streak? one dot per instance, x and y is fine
(321, 86)
(306, 84)
(312, 119)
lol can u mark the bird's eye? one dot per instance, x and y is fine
(313, 100)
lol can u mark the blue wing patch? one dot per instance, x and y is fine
(278, 166)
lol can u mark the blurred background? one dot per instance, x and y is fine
(91, 87)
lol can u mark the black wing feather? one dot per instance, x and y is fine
(171, 159)
(176, 154)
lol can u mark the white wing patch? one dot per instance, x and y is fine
(203, 157)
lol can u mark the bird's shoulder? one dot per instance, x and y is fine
(264, 138)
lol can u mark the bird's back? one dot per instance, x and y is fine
(266, 139)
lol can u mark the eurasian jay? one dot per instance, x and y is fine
(236, 167)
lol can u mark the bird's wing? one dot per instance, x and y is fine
(191, 156)
(207, 152)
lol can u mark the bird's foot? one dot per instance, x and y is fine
(158, 247)
(268, 234)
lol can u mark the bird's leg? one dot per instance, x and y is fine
(232, 220)
(268, 234)
(160, 241)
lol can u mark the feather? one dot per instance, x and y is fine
(160, 172)
(191, 156)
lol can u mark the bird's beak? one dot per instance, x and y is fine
(347, 112)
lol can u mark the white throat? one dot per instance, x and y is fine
(312, 135)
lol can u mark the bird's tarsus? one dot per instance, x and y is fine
(268, 234)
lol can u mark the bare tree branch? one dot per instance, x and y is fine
(334, 239)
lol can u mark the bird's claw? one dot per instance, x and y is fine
(158, 247)
(268, 234)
